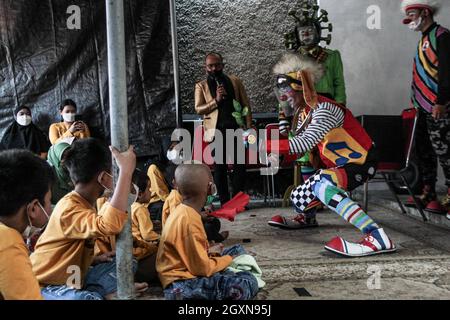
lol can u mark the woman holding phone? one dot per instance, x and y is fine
(69, 127)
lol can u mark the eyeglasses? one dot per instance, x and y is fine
(217, 65)
(284, 81)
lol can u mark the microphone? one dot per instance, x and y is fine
(219, 82)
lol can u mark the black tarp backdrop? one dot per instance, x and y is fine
(42, 62)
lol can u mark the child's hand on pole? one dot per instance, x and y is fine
(126, 161)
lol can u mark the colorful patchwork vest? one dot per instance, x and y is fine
(425, 71)
(347, 144)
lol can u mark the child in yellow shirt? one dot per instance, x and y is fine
(187, 266)
(25, 193)
(63, 260)
(145, 240)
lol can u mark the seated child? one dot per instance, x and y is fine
(63, 260)
(142, 225)
(25, 193)
(145, 240)
(211, 224)
(185, 264)
(161, 173)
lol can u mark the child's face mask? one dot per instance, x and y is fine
(108, 190)
(31, 230)
(134, 194)
(212, 190)
(172, 154)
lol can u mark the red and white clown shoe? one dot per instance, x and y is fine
(373, 243)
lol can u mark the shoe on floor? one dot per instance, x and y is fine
(375, 242)
(297, 222)
(424, 199)
(446, 202)
(435, 207)
(411, 204)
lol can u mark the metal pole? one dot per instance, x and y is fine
(176, 71)
(119, 133)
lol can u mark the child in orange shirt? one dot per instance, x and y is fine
(212, 224)
(145, 240)
(63, 260)
(25, 193)
(187, 266)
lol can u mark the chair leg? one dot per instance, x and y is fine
(265, 189)
(268, 190)
(273, 189)
(366, 196)
(400, 204)
(411, 193)
(287, 196)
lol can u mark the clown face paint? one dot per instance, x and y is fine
(308, 36)
(414, 19)
(285, 96)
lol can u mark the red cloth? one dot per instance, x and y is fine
(230, 209)
(282, 148)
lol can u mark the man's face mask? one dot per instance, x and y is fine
(214, 68)
(216, 73)
(31, 230)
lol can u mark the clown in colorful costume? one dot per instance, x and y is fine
(431, 97)
(345, 149)
(305, 40)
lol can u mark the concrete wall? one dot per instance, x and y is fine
(249, 33)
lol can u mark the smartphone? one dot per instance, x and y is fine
(78, 117)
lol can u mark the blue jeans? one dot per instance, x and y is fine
(100, 281)
(235, 250)
(225, 285)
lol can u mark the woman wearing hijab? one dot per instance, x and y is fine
(63, 185)
(23, 134)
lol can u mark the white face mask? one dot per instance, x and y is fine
(415, 25)
(172, 154)
(31, 230)
(212, 189)
(68, 117)
(107, 192)
(24, 120)
(132, 197)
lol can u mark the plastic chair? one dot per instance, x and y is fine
(398, 172)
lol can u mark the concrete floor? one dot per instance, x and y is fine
(420, 269)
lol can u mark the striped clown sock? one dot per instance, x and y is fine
(338, 201)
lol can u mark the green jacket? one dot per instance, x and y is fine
(333, 82)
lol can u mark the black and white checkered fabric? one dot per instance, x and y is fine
(303, 195)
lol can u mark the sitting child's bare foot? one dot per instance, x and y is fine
(140, 287)
(225, 234)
